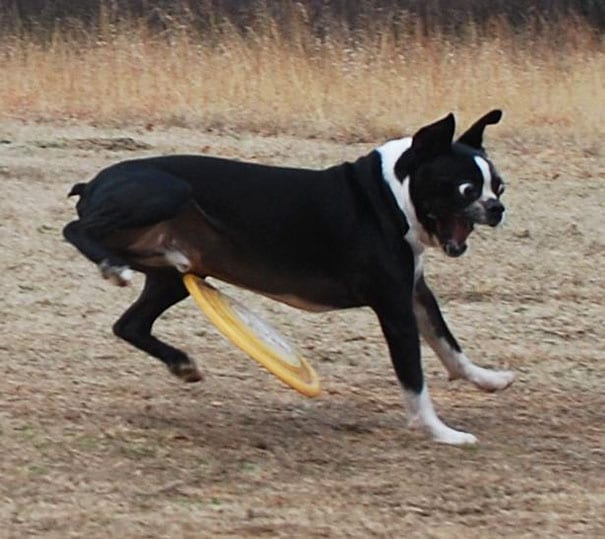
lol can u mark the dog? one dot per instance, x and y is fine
(347, 236)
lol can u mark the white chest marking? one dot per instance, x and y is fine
(416, 236)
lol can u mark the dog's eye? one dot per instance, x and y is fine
(500, 189)
(466, 189)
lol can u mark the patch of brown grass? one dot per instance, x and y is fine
(273, 79)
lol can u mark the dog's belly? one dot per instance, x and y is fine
(300, 303)
(191, 245)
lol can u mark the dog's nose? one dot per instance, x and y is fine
(494, 209)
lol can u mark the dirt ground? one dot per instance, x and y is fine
(98, 440)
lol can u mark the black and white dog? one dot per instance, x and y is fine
(348, 236)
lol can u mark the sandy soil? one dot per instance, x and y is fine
(98, 440)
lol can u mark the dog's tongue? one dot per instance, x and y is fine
(461, 230)
(453, 228)
(453, 233)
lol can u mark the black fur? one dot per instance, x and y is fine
(326, 239)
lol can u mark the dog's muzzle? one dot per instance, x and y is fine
(494, 211)
(485, 212)
(454, 249)
(453, 231)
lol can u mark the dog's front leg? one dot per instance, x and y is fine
(435, 331)
(399, 327)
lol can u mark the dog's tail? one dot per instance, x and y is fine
(77, 190)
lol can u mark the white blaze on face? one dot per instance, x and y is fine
(487, 191)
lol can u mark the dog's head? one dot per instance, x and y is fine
(452, 184)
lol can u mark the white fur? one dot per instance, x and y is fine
(118, 275)
(459, 366)
(178, 260)
(456, 363)
(422, 415)
(126, 274)
(487, 191)
(390, 152)
(416, 236)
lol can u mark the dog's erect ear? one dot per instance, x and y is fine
(430, 141)
(473, 137)
(434, 139)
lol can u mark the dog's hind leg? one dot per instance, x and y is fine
(433, 328)
(162, 290)
(80, 234)
(118, 200)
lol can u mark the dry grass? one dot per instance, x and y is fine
(286, 80)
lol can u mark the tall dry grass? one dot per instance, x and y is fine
(363, 85)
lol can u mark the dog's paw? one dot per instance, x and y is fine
(446, 435)
(455, 437)
(441, 433)
(118, 275)
(490, 380)
(186, 371)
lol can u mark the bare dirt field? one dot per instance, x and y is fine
(98, 440)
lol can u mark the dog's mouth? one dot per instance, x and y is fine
(452, 232)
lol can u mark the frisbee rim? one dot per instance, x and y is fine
(215, 305)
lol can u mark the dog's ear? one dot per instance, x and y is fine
(428, 142)
(434, 139)
(473, 137)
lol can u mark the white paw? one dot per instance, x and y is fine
(490, 380)
(118, 275)
(441, 433)
(454, 437)
(422, 415)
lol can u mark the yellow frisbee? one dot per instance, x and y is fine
(254, 336)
